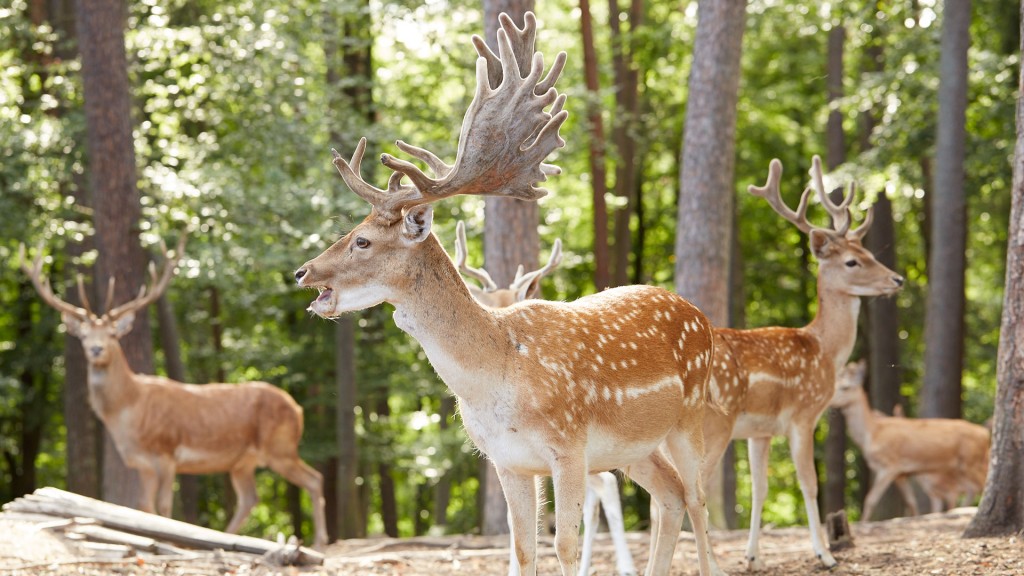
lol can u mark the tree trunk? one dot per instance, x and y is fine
(944, 317)
(510, 239)
(626, 96)
(116, 206)
(351, 523)
(834, 493)
(388, 502)
(598, 169)
(1001, 510)
(443, 488)
(704, 229)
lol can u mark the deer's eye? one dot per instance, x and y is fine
(852, 263)
(362, 243)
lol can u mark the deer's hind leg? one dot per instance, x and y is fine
(305, 476)
(243, 480)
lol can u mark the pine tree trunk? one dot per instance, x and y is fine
(116, 205)
(834, 493)
(1001, 510)
(388, 502)
(704, 229)
(944, 316)
(351, 523)
(626, 97)
(510, 239)
(598, 169)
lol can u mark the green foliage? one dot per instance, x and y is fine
(235, 117)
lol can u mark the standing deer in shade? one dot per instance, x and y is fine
(603, 488)
(161, 427)
(947, 457)
(544, 388)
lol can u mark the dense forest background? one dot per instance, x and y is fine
(236, 105)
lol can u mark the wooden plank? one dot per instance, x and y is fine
(60, 503)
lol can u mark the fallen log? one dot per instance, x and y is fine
(55, 502)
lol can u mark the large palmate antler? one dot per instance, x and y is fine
(506, 133)
(840, 213)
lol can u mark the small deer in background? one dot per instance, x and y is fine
(564, 389)
(948, 458)
(602, 488)
(161, 427)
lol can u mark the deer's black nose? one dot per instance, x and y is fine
(95, 350)
(299, 274)
(898, 280)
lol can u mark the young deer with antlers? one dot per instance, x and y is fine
(161, 427)
(602, 488)
(948, 458)
(544, 388)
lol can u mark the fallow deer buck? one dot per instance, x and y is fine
(161, 427)
(948, 458)
(544, 388)
(778, 381)
(602, 488)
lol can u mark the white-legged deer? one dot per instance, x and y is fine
(602, 488)
(161, 427)
(948, 458)
(544, 388)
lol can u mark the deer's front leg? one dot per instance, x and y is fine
(150, 484)
(801, 444)
(521, 495)
(569, 477)
(165, 492)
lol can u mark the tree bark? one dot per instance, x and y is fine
(834, 493)
(510, 239)
(944, 317)
(351, 523)
(116, 205)
(626, 97)
(704, 229)
(598, 168)
(388, 502)
(443, 488)
(1001, 510)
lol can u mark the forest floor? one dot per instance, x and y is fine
(924, 545)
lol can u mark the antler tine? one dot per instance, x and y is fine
(147, 296)
(42, 285)
(82, 295)
(840, 213)
(553, 261)
(770, 192)
(506, 133)
(110, 294)
(461, 252)
(859, 232)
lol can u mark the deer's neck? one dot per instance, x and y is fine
(112, 387)
(460, 337)
(859, 420)
(836, 324)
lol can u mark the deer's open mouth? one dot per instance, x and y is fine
(324, 303)
(325, 294)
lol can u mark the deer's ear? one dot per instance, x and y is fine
(416, 223)
(823, 244)
(73, 323)
(123, 324)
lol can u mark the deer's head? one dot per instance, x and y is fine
(523, 287)
(100, 333)
(505, 137)
(844, 265)
(849, 384)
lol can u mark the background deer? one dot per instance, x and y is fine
(161, 427)
(544, 388)
(948, 458)
(602, 488)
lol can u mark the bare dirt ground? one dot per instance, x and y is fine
(926, 545)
